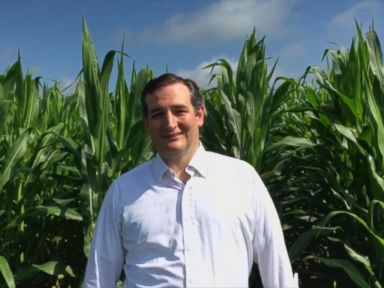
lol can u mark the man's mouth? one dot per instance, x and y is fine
(172, 136)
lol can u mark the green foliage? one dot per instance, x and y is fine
(34, 181)
(7, 273)
(58, 156)
(241, 107)
(332, 190)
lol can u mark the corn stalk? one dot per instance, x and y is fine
(333, 189)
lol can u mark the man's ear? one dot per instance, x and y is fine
(200, 115)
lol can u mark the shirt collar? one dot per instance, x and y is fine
(197, 163)
(159, 168)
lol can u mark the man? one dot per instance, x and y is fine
(189, 217)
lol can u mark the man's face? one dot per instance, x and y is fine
(173, 123)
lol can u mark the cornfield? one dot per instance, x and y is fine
(317, 141)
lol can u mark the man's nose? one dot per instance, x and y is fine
(170, 121)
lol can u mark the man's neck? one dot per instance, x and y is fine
(178, 163)
(179, 168)
(183, 176)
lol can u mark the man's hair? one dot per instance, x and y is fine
(169, 79)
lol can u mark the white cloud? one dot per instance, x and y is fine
(202, 76)
(363, 12)
(223, 21)
(290, 59)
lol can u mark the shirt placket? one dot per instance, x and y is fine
(190, 233)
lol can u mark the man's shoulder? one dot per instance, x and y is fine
(135, 175)
(129, 186)
(221, 158)
(224, 162)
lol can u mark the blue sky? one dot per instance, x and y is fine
(179, 34)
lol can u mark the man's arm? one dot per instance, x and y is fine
(270, 250)
(105, 259)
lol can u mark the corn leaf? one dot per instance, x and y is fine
(348, 268)
(7, 273)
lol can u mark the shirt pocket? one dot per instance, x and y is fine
(149, 222)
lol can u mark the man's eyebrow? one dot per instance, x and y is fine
(155, 110)
(160, 109)
(179, 106)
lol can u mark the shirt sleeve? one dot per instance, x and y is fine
(106, 256)
(269, 247)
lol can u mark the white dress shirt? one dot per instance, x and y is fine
(204, 233)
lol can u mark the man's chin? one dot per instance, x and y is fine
(172, 150)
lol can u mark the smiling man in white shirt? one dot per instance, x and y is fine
(188, 217)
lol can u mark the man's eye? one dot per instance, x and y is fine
(180, 112)
(156, 115)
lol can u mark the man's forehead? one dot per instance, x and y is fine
(179, 97)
